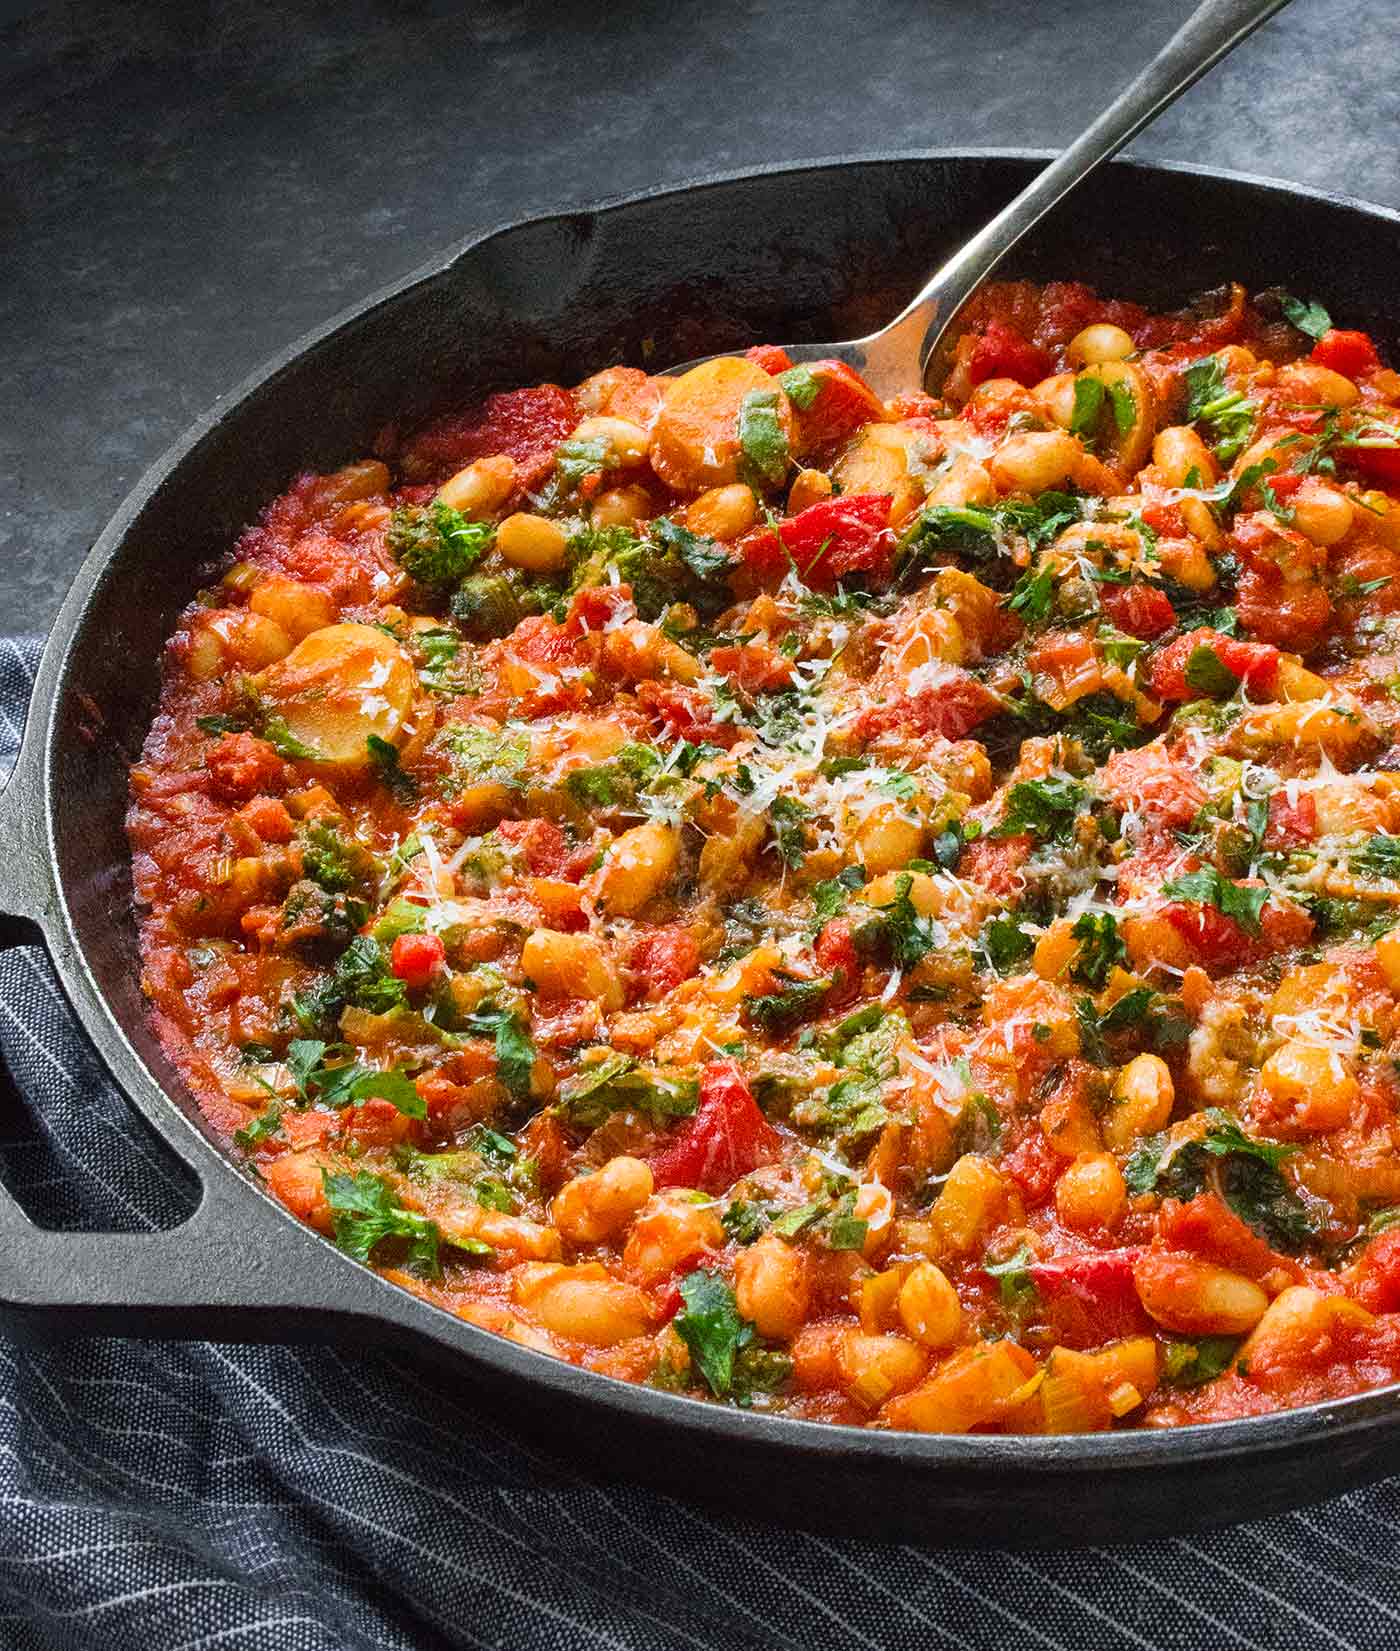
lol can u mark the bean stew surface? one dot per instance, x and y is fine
(882, 912)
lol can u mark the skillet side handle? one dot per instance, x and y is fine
(240, 1269)
(235, 1272)
(26, 888)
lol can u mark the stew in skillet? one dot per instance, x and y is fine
(883, 912)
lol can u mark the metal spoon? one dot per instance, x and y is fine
(897, 357)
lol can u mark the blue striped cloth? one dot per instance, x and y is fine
(203, 1498)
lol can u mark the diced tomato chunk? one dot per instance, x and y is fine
(773, 358)
(539, 640)
(594, 606)
(1090, 1297)
(1207, 1226)
(269, 818)
(1152, 785)
(836, 952)
(527, 425)
(1377, 464)
(295, 1179)
(415, 958)
(949, 711)
(1377, 1277)
(543, 846)
(1288, 615)
(241, 765)
(1139, 610)
(1253, 663)
(1219, 942)
(374, 1123)
(757, 668)
(1284, 923)
(843, 404)
(994, 863)
(727, 1137)
(1290, 823)
(1001, 352)
(1345, 351)
(686, 713)
(664, 958)
(1061, 654)
(1165, 519)
(913, 404)
(1285, 483)
(1035, 1166)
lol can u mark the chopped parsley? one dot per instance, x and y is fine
(1309, 318)
(618, 1084)
(366, 1213)
(1227, 415)
(1189, 1363)
(1101, 948)
(901, 928)
(1245, 1172)
(801, 386)
(384, 759)
(1208, 674)
(1013, 1278)
(711, 1328)
(762, 441)
(1208, 888)
(1004, 943)
(794, 1000)
(1378, 856)
(515, 1053)
(788, 818)
(1047, 809)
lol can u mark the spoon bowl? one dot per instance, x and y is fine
(897, 357)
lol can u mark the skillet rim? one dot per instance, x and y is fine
(222, 1180)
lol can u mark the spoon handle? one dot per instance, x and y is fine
(1212, 30)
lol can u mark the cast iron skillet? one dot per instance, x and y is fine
(822, 250)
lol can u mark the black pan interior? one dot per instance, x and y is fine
(827, 251)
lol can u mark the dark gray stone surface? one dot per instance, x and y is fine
(185, 189)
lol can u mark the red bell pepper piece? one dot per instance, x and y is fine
(1091, 1297)
(1347, 352)
(415, 957)
(828, 542)
(727, 1137)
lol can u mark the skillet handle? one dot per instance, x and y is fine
(239, 1269)
(26, 890)
(226, 1274)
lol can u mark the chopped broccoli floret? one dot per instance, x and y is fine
(670, 565)
(436, 545)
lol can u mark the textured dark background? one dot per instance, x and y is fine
(186, 187)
